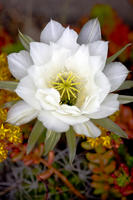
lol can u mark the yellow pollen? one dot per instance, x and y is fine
(66, 83)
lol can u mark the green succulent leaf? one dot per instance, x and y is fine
(71, 141)
(8, 85)
(126, 85)
(113, 57)
(51, 140)
(34, 136)
(124, 99)
(111, 126)
(25, 40)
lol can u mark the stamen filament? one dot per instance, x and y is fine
(72, 93)
(66, 84)
(68, 93)
(61, 78)
(72, 88)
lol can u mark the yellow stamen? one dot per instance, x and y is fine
(66, 83)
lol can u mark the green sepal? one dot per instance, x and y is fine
(71, 141)
(8, 85)
(124, 99)
(111, 126)
(113, 57)
(34, 136)
(51, 140)
(126, 85)
(25, 40)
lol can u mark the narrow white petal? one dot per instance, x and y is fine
(79, 62)
(21, 113)
(68, 39)
(52, 32)
(116, 73)
(88, 129)
(99, 48)
(90, 32)
(40, 52)
(26, 90)
(96, 63)
(107, 108)
(19, 63)
(104, 85)
(51, 122)
(48, 98)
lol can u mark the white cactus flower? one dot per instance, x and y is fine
(64, 80)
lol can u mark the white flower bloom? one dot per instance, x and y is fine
(64, 80)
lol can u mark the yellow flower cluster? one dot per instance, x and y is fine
(4, 71)
(13, 134)
(3, 152)
(103, 140)
(9, 134)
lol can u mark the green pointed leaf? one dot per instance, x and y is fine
(71, 141)
(25, 40)
(34, 136)
(126, 85)
(113, 57)
(123, 99)
(111, 126)
(8, 85)
(51, 140)
(11, 48)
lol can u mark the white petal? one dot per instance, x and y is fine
(90, 32)
(88, 129)
(70, 115)
(107, 108)
(19, 63)
(79, 62)
(96, 63)
(51, 122)
(103, 83)
(26, 90)
(90, 105)
(21, 113)
(68, 39)
(40, 52)
(99, 48)
(48, 98)
(116, 73)
(42, 75)
(52, 32)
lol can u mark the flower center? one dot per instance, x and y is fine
(67, 85)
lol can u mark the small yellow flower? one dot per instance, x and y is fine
(3, 132)
(3, 151)
(14, 134)
(94, 142)
(3, 115)
(106, 141)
